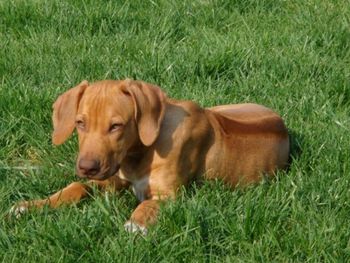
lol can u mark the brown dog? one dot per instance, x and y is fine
(131, 134)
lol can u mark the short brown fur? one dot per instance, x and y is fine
(131, 134)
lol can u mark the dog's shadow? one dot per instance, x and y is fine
(296, 140)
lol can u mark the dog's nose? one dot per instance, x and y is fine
(89, 167)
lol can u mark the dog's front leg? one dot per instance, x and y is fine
(144, 215)
(71, 194)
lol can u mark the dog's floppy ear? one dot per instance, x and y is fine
(64, 112)
(149, 105)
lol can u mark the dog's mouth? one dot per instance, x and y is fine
(102, 175)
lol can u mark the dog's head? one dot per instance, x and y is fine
(111, 117)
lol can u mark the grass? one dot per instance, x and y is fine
(292, 56)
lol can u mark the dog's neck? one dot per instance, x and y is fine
(135, 155)
(136, 162)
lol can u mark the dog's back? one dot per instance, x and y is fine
(250, 140)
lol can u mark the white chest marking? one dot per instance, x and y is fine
(140, 187)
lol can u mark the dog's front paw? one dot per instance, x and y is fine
(133, 227)
(19, 209)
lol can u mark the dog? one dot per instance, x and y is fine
(132, 135)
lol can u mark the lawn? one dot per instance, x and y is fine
(292, 56)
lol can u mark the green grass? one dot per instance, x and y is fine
(292, 56)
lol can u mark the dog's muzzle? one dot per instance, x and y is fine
(92, 169)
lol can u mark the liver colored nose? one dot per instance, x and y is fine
(89, 167)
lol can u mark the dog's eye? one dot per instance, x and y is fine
(115, 127)
(80, 124)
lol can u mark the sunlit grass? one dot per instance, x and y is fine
(292, 56)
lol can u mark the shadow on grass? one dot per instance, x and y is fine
(296, 141)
